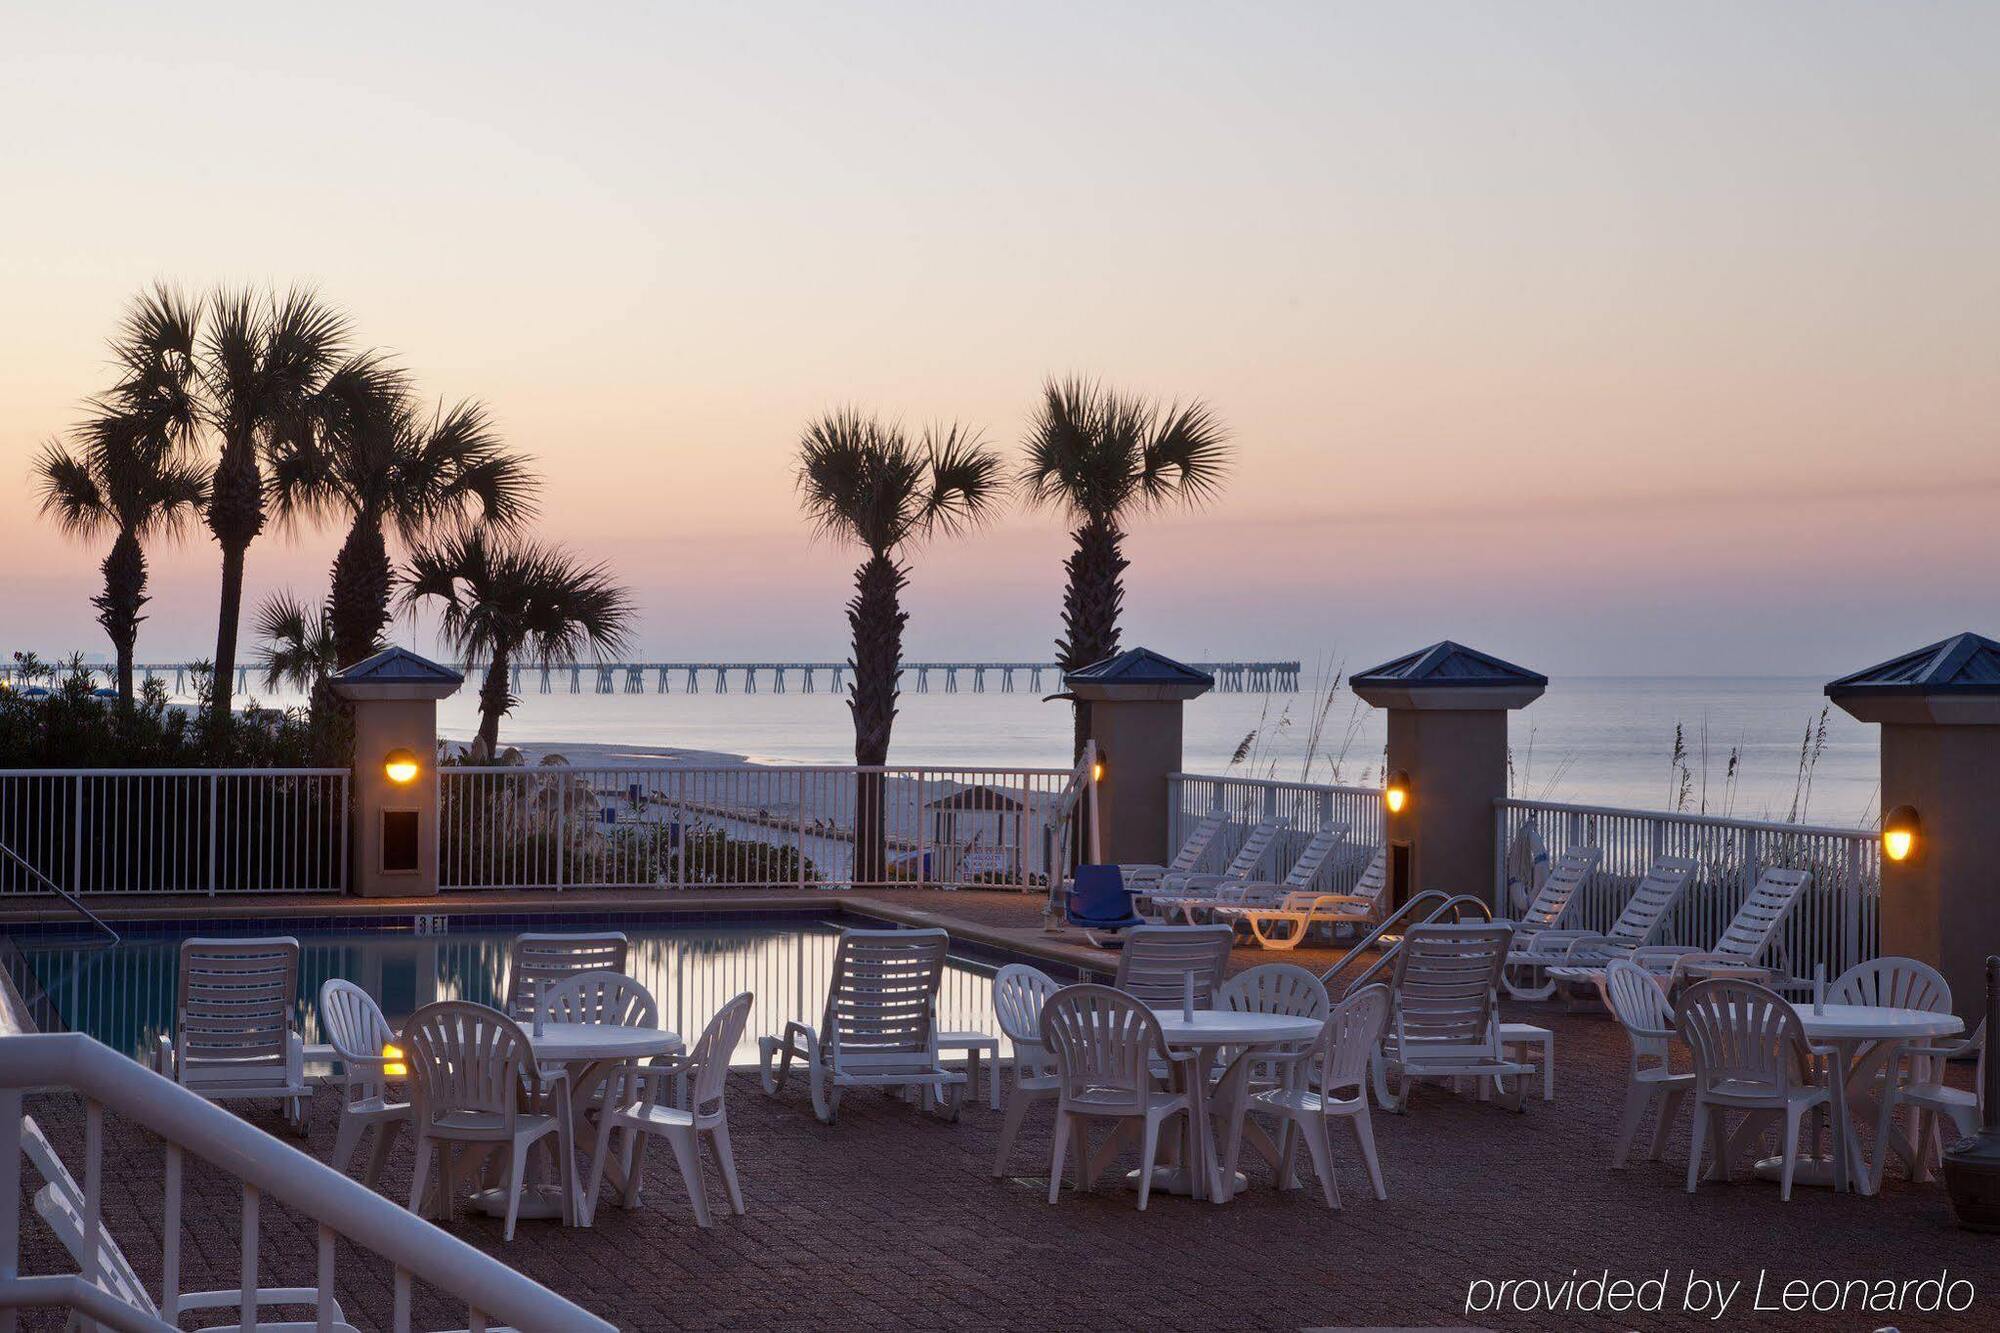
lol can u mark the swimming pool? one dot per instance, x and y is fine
(124, 995)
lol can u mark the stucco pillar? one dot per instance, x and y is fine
(1135, 701)
(1939, 710)
(394, 812)
(1447, 707)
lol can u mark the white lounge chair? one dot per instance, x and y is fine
(1338, 1066)
(1751, 1054)
(1444, 1014)
(537, 962)
(1552, 903)
(1751, 934)
(1184, 894)
(879, 1029)
(1285, 924)
(1158, 962)
(1307, 867)
(645, 1105)
(1138, 876)
(1105, 1045)
(470, 1067)
(1653, 897)
(372, 1070)
(62, 1205)
(1019, 992)
(1636, 1000)
(233, 1034)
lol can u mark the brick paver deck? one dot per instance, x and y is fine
(890, 1219)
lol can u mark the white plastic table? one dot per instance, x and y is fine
(1869, 1040)
(1205, 1032)
(591, 1052)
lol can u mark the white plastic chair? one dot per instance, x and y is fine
(645, 1106)
(1936, 1103)
(1185, 894)
(1636, 1000)
(537, 962)
(467, 1066)
(1019, 992)
(1274, 988)
(1105, 1045)
(1156, 961)
(1298, 912)
(362, 1039)
(1739, 952)
(879, 1028)
(1653, 897)
(233, 1034)
(1444, 1014)
(1339, 1063)
(1306, 869)
(1193, 850)
(1751, 1054)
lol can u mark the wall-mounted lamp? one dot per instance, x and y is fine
(1097, 769)
(1396, 791)
(400, 767)
(1899, 833)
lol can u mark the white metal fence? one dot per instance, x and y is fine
(1835, 924)
(1305, 806)
(175, 830)
(742, 827)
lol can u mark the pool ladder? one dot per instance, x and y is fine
(112, 936)
(1438, 902)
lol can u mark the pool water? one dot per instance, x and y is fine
(124, 995)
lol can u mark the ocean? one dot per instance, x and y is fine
(1593, 740)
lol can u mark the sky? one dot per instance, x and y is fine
(1626, 339)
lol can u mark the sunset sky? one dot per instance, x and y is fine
(1612, 338)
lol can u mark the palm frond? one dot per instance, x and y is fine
(70, 492)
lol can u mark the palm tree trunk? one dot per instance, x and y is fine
(235, 516)
(876, 617)
(1092, 599)
(118, 605)
(362, 581)
(494, 701)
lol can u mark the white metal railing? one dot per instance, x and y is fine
(559, 827)
(175, 830)
(1835, 924)
(1306, 807)
(266, 1169)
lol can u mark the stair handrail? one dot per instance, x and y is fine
(1456, 904)
(264, 1165)
(60, 892)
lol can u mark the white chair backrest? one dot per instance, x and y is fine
(1552, 901)
(1756, 923)
(1374, 879)
(1319, 849)
(610, 998)
(1275, 988)
(1892, 983)
(882, 1004)
(1353, 1031)
(545, 960)
(1188, 859)
(464, 1057)
(353, 1025)
(1445, 991)
(1254, 850)
(1743, 1035)
(1102, 1043)
(60, 1203)
(1637, 1001)
(710, 1056)
(1019, 992)
(234, 1003)
(1652, 898)
(1156, 958)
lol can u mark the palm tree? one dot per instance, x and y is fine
(295, 644)
(869, 484)
(131, 478)
(375, 459)
(508, 599)
(1099, 457)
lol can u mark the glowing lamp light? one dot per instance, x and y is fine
(1899, 833)
(400, 766)
(1396, 791)
(1097, 771)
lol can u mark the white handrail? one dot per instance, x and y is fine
(274, 1168)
